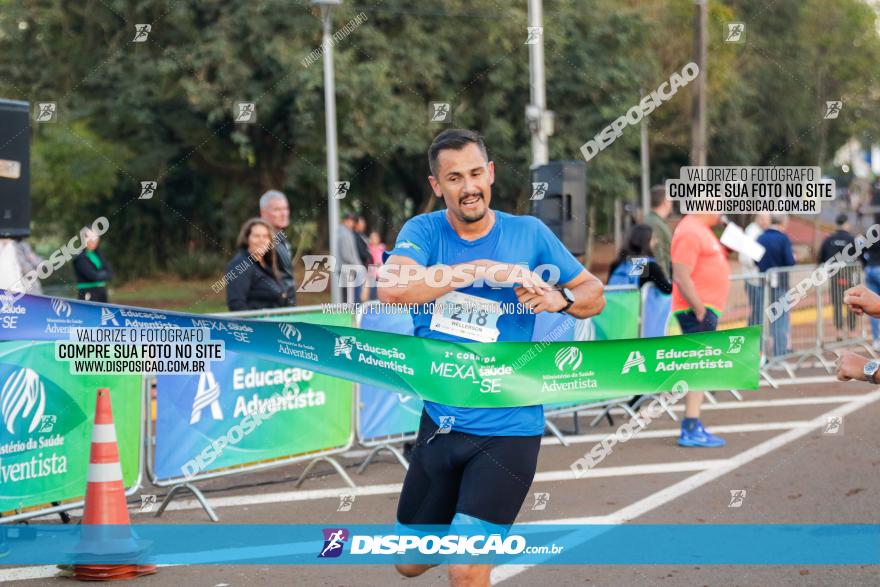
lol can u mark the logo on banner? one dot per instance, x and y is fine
(290, 331)
(735, 344)
(334, 539)
(343, 346)
(23, 395)
(108, 316)
(61, 308)
(636, 359)
(207, 394)
(568, 358)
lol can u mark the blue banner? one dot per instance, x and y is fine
(630, 544)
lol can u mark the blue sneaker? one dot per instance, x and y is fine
(699, 437)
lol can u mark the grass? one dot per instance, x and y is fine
(168, 292)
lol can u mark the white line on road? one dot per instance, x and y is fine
(676, 490)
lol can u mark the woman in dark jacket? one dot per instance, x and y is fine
(638, 245)
(92, 271)
(252, 274)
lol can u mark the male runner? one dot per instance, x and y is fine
(480, 470)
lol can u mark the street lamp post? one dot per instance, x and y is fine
(330, 124)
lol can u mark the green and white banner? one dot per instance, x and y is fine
(501, 374)
(46, 428)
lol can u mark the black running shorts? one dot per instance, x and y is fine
(486, 477)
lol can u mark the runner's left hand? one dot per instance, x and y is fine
(850, 366)
(547, 301)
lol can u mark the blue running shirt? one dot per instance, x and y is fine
(429, 239)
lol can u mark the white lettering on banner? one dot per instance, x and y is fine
(35, 468)
(453, 370)
(284, 402)
(252, 378)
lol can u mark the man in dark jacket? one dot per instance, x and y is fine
(275, 210)
(834, 244)
(777, 253)
(92, 271)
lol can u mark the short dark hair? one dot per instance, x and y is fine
(455, 139)
(658, 195)
(841, 219)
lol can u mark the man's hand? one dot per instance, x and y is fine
(544, 301)
(700, 312)
(861, 300)
(508, 274)
(851, 366)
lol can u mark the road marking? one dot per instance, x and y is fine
(334, 493)
(622, 471)
(674, 432)
(676, 490)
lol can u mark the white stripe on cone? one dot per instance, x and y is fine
(101, 472)
(104, 433)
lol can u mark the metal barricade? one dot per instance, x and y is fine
(792, 331)
(840, 328)
(179, 484)
(745, 307)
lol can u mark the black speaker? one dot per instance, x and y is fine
(15, 178)
(559, 199)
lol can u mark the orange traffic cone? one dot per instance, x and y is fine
(106, 534)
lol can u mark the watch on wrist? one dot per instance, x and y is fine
(871, 367)
(569, 300)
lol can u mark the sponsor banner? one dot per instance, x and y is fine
(261, 409)
(352, 544)
(620, 317)
(46, 427)
(381, 411)
(505, 374)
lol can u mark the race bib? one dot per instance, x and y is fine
(466, 316)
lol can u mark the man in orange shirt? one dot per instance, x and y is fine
(700, 282)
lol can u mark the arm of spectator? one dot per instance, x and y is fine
(238, 287)
(656, 276)
(681, 276)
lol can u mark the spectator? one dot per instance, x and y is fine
(754, 285)
(377, 248)
(254, 279)
(350, 260)
(275, 210)
(656, 219)
(636, 264)
(872, 280)
(91, 270)
(834, 244)
(18, 259)
(701, 282)
(777, 253)
(363, 246)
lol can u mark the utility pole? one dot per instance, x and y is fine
(698, 104)
(646, 170)
(540, 121)
(332, 157)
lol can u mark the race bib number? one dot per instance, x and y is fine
(467, 316)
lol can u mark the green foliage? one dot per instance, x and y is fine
(162, 109)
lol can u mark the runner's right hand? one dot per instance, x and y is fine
(861, 300)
